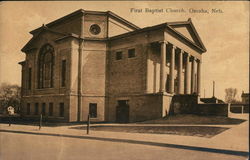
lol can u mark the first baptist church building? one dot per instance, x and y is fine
(97, 63)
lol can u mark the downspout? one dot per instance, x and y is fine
(79, 91)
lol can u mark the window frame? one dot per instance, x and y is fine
(118, 55)
(43, 109)
(61, 109)
(28, 109)
(134, 53)
(29, 78)
(51, 109)
(44, 66)
(36, 109)
(63, 72)
(93, 113)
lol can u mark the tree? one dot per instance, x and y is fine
(10, 95)
(231, 95)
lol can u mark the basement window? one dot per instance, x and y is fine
(93, 110)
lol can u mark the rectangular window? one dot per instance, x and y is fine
(131, 53)
(50, 109)
(43, 108)
(93, 110)
(36, 108)
(118, 55)
(63, 72)
(29, 78)
(61, 111)
(28, 108)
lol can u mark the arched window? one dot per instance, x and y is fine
(45, 66)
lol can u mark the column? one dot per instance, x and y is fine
(187, 75)
(162, 69)
(180, 90)
(172, 64)
(193, 75)
(198, 77)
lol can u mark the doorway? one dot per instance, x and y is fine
(122, 112)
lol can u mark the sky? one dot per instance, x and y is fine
(225, 35)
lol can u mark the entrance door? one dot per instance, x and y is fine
(122, 112)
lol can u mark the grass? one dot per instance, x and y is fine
(200, 131)
(195, 119)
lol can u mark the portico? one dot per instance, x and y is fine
(188, 78)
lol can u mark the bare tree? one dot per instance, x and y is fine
(231, 95)
(10, 96)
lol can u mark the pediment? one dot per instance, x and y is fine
(44, 35)
(187, 30)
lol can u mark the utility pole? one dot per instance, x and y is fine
(213, 88)
(88, 124)
(40, 122)
(204, 93)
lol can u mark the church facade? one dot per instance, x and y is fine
(99, 64)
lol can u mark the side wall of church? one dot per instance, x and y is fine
(129, 78)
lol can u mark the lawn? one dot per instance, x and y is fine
(195, 119)
(200, 131)
(185, 125)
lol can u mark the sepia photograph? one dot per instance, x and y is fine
(124, 80)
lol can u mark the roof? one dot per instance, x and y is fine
(172, 27)
(41, 30)
(189, 23)
(81, 12)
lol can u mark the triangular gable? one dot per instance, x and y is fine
(184, 30)
(35, 37)
(187, 30)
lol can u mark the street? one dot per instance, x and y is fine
(21, 146)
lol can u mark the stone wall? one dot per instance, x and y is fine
(239, 108)
(188, 104)
(212, 109)
(183, 104)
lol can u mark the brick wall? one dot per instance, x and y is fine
(141, 107)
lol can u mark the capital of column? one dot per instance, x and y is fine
(198, 60)
(165, 42)
(193, 58)
(187, 54)
(182, 51)
(174, 47)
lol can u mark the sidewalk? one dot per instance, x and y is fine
(234, 139)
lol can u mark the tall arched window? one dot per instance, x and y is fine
(45, 66)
